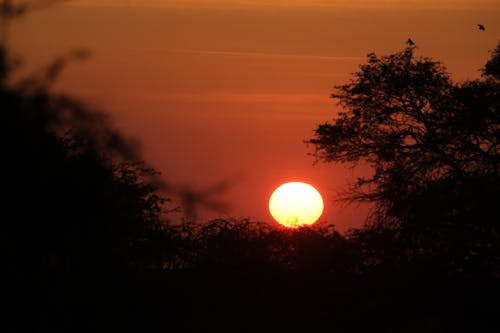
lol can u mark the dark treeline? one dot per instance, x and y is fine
(88, 245)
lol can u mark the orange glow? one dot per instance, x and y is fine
(296, 204)
(228, 90)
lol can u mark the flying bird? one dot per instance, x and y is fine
(481, 27)
(410, 42)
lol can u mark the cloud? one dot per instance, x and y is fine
(253, 97)
(270, 55)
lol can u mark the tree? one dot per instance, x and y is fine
(82, 214)
(492, 67)
(76, 192)
(433, 147)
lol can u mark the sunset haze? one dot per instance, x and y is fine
(228, 91)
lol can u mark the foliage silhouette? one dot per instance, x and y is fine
(433, 149)
(492, 67)
(68, 159)
(80, 207)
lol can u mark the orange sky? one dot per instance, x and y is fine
(228, 90)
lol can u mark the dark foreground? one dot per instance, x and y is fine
(249, 302)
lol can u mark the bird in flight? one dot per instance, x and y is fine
(410, 42)
(481, 27)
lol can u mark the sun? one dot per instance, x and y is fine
(296, 204)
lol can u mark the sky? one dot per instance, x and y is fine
(228, 91)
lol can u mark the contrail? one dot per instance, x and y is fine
(270, 55)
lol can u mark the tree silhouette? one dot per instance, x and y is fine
(80, 207)
(80, 177)
(433, 149)
(492, 67)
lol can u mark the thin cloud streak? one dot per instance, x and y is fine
(262, 97)
(270, 55)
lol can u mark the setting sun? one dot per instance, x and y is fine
(296, 204)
